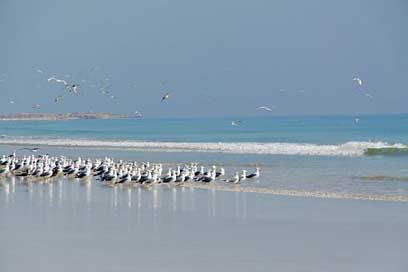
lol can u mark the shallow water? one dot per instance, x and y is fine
(311, 174)
(69, 226)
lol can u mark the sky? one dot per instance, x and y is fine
(217, 58)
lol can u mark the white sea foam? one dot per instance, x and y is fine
(346, 149)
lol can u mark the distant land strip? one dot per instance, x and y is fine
(25, 116)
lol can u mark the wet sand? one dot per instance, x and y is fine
(293, 193)
(73, 226)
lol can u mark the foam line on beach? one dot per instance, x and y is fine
(345, 149)
(297, 193)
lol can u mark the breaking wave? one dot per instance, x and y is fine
(346, 149)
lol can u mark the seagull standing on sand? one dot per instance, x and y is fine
(235, 179)
(254, 175)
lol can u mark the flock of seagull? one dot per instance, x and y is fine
(72, 87)
(43, 168)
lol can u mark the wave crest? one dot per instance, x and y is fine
(346, 149)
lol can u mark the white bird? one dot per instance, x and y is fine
(40, 71)
(254, 175)
(358, 81)
(266, 108)
(34, 149)
(356, 120)
(235, 179)
(58, 98)
(11, 101)
(36, 106)
(243, 175)
(74, 88)
(165, 96)
(53, 78)
(236, 123)
(369, 95)
(138, 114)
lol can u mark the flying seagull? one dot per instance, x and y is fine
(53, 78)
(58, 98)
(236, 123)
(138, 114)
(40, 71)
(36, 106)
(369, 95)
(34, 149)
(166, 96)
(266, 108)
(74, 88)
(358, 81)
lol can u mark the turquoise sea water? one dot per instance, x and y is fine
(314, 129)
(319, 153)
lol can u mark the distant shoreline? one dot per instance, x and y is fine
(64, 116)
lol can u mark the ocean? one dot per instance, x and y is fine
(332, 196)
(313, 155)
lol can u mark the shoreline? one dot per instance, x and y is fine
(297, 193)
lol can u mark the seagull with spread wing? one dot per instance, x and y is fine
(236, 123)
(266, 108)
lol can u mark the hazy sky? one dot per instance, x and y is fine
(217, 57)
